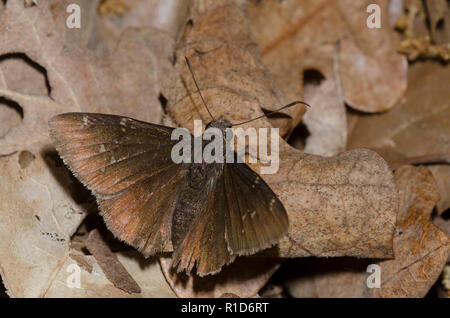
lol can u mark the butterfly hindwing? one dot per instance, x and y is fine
(127, 165)
(240, 216)
(256, 218)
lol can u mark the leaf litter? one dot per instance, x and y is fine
(340, 203)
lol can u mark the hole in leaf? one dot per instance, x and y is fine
(312, 77)
(13, 105)
(11, 115)
(163, 100)
(298, 137)
(440, 24)
(35, 66)
(174, 59)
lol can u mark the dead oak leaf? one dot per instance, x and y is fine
(37, 220)
(146, 272)
(44, 72)
(294, 35)
(232, 78)
(79, 80)
(420, 250)
(337, 206)
(419, 125)
(326, 119)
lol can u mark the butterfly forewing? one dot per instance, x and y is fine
(215, 211)
(127, 165)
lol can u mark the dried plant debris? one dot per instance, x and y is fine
(112, 7)
(109, 263)
(249, 58)
(420, 248)
(425, 25)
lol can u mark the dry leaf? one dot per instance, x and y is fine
(38, 217)
(244, 278)
(419, 125)
(110, 265)
(43, 72)
(343, 205)
(420, 250)
(146, 272)
(167, 16)
(214, 30)
(326, 119)
(296, 35)
(79, 80)
(338, 206)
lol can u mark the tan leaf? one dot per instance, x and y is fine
(79, 79)
(37, 220)
(244, 278)
(295, 36)
(338, 206)
(227, 68)
(45, 70)
(146, 272)
(168, 16)
(419, 125)
(326, 119)
(420, 250)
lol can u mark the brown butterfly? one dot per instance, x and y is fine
(212, 212)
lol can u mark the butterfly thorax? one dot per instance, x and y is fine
(201, 178)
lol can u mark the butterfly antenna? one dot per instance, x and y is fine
(196, 85)
(273, 112)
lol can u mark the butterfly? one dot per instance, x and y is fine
(211, 212)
